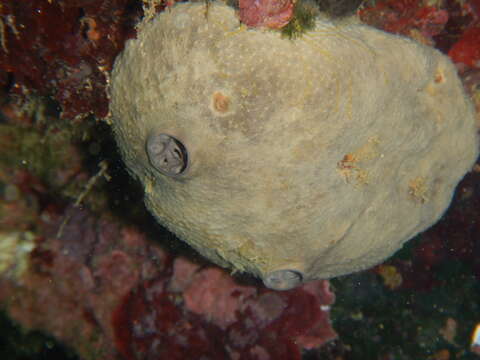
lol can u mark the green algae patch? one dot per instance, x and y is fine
(304, 15)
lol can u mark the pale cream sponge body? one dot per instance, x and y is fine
(293, 160)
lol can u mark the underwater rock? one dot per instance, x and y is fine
(296, 159)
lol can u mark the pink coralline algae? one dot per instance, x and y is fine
(272, 14)
(205, 312)
(107, 291)
(406, 17)
(466, 51)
